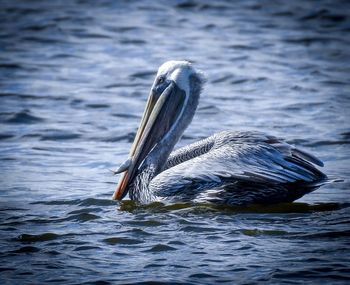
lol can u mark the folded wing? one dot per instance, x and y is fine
(248, 157)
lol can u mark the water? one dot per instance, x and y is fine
(74, 77)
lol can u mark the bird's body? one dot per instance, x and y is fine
(233, 168)
(236, 168)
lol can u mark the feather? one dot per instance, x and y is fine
(237, 157)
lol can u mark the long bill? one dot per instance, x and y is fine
(160, 114)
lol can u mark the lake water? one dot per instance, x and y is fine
(74, 78)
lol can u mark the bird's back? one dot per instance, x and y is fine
(238, 168)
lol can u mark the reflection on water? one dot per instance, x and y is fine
(74, 77)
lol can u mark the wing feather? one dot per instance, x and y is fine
(239, 156)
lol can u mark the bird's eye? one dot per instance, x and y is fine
(161, 79)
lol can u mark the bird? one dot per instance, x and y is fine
(227, 168)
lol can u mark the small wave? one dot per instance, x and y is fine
(126, 115)
(80, 202)
(283, 14)
(132, 206)
(119, 240)
(287, 208)
(194, 229)
(153, 265)
(37, 238)
(86, 247)
(209, 109)
(334, 82)
(24, 10)
(209, 26)
(37, 27)
(129, 137)
(5, 136)
(202, 275)
(53, 135)
(324, 14)
(323, 273)
(97, 202)
(139, 232)
(234, 98)
(327, 234)
(242, 47)
(82, 217)
(221, 78)
(65, 56)
(118, 85)
(239, 81)
(85, 210)
(346, 135)
(7, 269)
(23, 96)
(93, 36)
(258, 232)
(122, 29)
(44, 40)
(219, 7)
(133, 42)
(10, 66)
(187, 5)
(97, 106)
(143, 74)
(327, 142)
(23, 117)
(160, 248)
(313, 40)
(145, 223)
(26, 249)
(31, 97)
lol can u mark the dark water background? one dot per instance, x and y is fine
(74, 77)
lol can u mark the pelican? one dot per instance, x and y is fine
(234, 168)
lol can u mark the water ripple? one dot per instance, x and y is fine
(37, 238)
(74, 79)
(22, 117)
(118, 240)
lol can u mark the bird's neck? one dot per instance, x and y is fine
(156, 160)
(139, 190)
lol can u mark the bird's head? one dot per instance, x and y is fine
(170, 107)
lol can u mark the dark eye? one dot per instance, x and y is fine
(161, 79)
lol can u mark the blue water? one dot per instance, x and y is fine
(74, 79)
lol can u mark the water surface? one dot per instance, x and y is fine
(74, 78)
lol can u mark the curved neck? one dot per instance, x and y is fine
(156, 160)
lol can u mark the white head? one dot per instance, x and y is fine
(179, 71)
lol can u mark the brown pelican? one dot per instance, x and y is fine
(236, 168)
